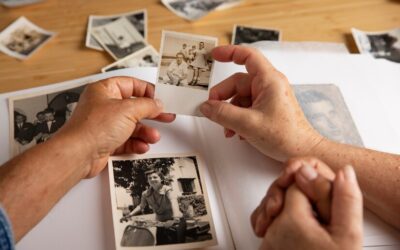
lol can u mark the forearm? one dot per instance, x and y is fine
(378, 174)
(34, 181)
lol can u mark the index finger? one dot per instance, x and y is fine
(253, 60)
(126, 87)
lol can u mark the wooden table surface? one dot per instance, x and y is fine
(66, 57)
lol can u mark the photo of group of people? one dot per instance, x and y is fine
(36, 119)
(159, 201)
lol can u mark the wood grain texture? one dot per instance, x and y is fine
(66, 57)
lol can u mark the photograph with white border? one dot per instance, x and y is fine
(146, 57)
(242, 34)
(160, 201)
(192, 9)
(137, 18)
(379, 44)
(22, 38)
(184, 71)
(18, 3)
(119, 38)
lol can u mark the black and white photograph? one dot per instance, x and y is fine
(35, 118)
(326, 110)
(184, 71)
(146, 57)
(192, 9)
(137, 18)
(229, 4)
(22, 38)
(160, 201)
(246, 34)
(385, 44)
(119, 38)
(18, 3)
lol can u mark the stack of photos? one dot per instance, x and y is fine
(160, 201)
(36, 117)
(124, 37)
(326, 110)
(195, 9)
(18, 3)
(380, 44)
(184, 71)
(23, 38)
(247, 35)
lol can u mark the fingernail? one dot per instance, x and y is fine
(349, 174)
(205, 108)
(159, 103)
(308, 172)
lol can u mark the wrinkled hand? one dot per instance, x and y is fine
(298, 225)
(107, 119)
(263, 109)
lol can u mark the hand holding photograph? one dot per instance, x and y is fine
(23, 38)
(160, 201)
(184, 71)
(245, 34)
(380, 44)
(137, 18)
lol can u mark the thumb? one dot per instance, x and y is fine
(142, 107)
(347, 208)
(241, 120)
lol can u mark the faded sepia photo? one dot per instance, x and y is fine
(245, 34)
(384, 44)
(137, 18)
(119, 38)
(146, 57)
(22, 38)
(35, 119)
(326, 110)
(192, 9)
(160, 201)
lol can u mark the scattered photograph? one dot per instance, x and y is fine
(18, 3)
(229, 4)
(119, 38)
(184, 71)
(23, 38)
(192, 9)
(244, 34)
(160, 201)
(146, 57)
(381, 44)
(137, 18)
(35, 118)
(326, 110)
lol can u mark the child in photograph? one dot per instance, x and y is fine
(165, 206)
(199, 63)
(177, 71)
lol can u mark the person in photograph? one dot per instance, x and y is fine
(25, 41)
(185, 52)
(23, 132)
(160, 198)
(191, 54)
(147, 61)
(382, 46)
(177, 71)
(199, 63)
(46, 129)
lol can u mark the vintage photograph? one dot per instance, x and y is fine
(18, 3)
(326, 110)
(137, 18)
(245, 34)
(192, 9)
(384, 44)
(146, 57)
(119, 38)
(34, 119)
(22, 38)
(160, 201)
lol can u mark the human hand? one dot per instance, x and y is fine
(312, 176)
(263, 110)
(107, 119)
(296, 227)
